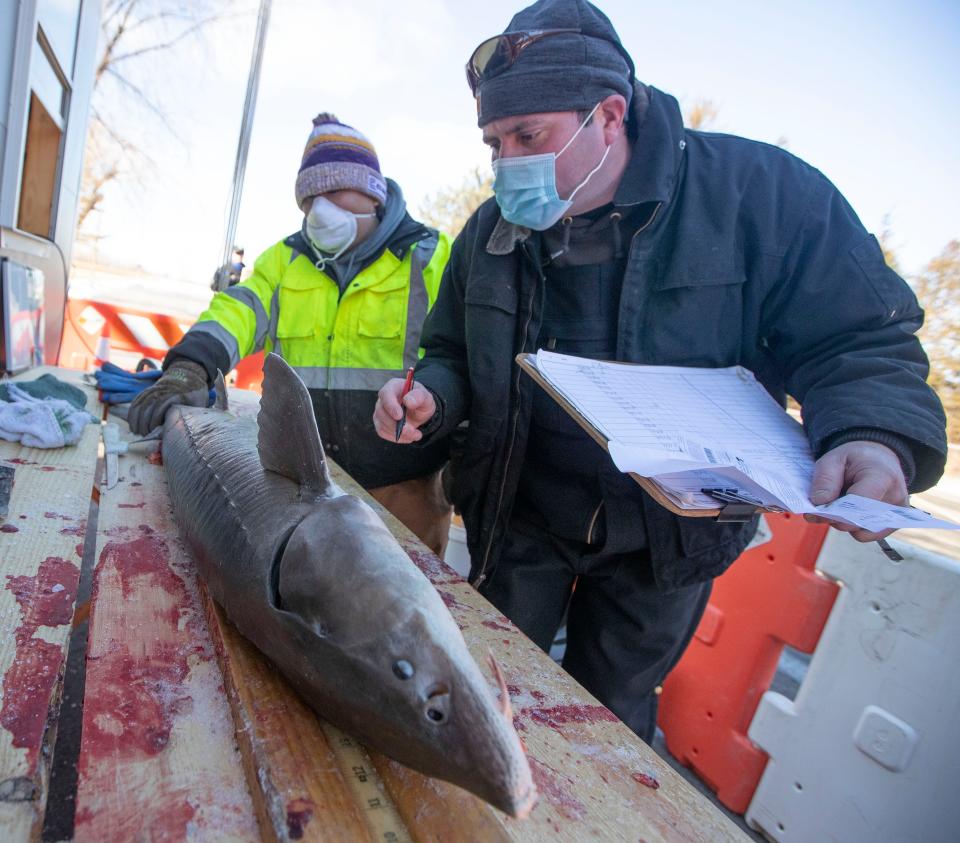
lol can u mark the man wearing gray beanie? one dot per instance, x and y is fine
(617, 234)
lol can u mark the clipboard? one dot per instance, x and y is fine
(729, 512)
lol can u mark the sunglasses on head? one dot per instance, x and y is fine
(497, 54)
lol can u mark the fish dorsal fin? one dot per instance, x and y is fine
(288, 440)
(220, 391)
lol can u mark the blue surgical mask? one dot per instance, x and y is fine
(526, 186)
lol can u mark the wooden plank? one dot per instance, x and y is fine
(298, 789)
(158, 759)
(41, 548)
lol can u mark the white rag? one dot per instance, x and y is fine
(41, 422)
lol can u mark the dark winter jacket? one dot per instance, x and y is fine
(745, 256)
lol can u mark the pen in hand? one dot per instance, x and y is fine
(407, 386)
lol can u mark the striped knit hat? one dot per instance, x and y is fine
(338, 157)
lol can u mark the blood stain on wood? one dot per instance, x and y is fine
(137, 693)
(434, 568)
(558, 716)
(555, 788)
(495, 625)
(451, 602)
(9, 528)
(299, 813)
(45, 600)
(140, 505)
(79, 530)
(646, 780)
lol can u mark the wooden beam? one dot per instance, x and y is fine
(41, 547)
(158, 758)
(298, 788)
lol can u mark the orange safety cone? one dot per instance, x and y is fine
(103, 346)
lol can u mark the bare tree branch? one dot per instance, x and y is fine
(145, 100)
(127, 103)
(166, 45)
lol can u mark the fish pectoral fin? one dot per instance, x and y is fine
(220, 391)
(504, 701)
(289, 441)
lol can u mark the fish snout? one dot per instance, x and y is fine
(521, 804)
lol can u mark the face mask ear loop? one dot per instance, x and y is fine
(322, 262)
(589, 175)
(579, 129)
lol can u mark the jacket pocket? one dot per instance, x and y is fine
(470, 468)
(896, 298)
(299, 311)
(694, 320)
(707, 549)
(382, 316)
(499, 296)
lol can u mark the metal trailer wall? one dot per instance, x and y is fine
(20, 25)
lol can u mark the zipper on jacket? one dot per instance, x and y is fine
(593, 522)
(482, 575)
(647, 224)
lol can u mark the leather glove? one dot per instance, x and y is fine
(184, 382)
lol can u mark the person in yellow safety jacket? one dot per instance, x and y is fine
(343, 301)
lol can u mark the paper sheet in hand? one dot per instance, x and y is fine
(692, 428)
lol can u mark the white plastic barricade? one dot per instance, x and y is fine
(870, 748)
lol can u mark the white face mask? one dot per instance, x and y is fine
(330, 228)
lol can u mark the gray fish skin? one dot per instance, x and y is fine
(318, 583)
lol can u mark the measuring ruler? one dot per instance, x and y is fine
(365, 784)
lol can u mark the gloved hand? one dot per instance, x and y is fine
(184, 382)
(117, 386)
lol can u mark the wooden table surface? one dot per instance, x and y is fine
(188, 733)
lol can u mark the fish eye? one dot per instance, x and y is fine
(402, 669)
(435, 715)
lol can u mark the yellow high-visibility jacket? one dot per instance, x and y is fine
(344, 346)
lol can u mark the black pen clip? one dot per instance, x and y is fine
(737, 504)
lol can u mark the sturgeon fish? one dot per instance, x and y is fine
(317, 582)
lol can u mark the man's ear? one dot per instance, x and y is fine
(611, 115)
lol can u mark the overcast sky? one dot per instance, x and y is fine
(865, 91)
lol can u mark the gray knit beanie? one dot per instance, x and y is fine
(568, 72)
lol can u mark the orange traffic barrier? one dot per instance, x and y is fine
(136, 333)
(249, 372)
(769, 598)
(94, 329)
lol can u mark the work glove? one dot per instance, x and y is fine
(184, 382)
(118, 386)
